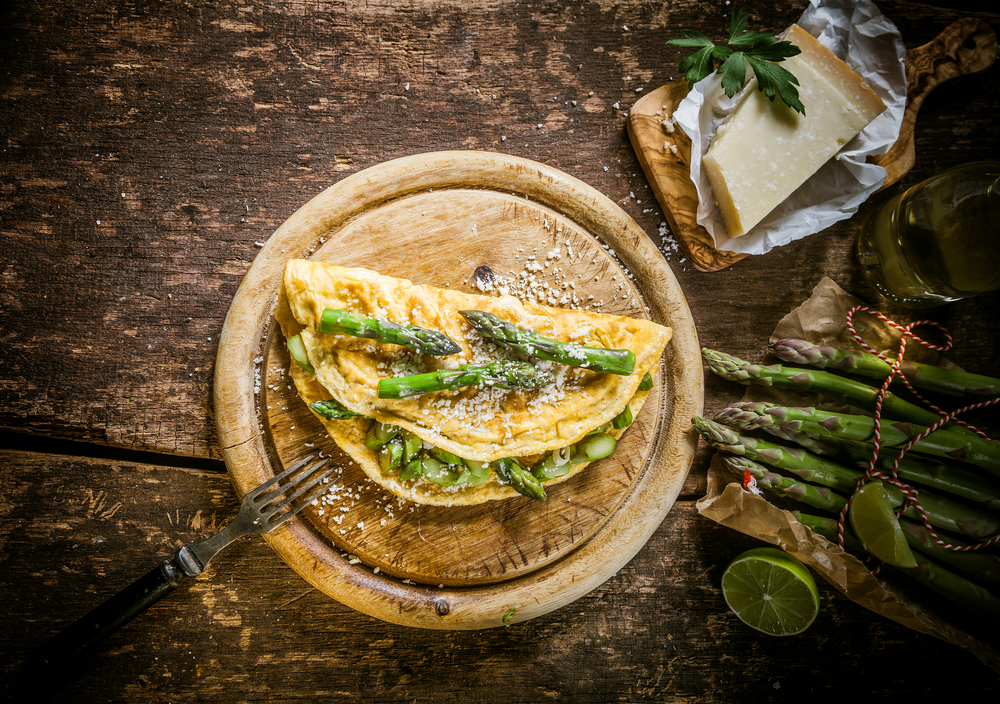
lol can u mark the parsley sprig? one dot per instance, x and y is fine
(761, 50)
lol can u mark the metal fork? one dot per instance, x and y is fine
(262, 510)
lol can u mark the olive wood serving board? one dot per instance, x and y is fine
(965, 47)
(465, 220)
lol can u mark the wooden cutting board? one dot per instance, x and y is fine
(470, 221)
(965, 47)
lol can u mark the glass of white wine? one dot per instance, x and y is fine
(938, 241)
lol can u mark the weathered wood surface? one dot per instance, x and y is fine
(147, 151)
(965, 47)
(147, 154)
(251, 630)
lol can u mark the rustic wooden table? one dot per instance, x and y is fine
(147, 152)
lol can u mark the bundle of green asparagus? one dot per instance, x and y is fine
(941, 486)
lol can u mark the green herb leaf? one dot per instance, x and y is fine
(737, 24)
(698, 65)
(772, 78)
(734, 73)
(754, 38)
(739, 35)
(761, 50)
(692, 38)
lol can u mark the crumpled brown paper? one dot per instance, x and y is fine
(821, 320)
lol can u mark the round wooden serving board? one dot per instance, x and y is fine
(474, 222)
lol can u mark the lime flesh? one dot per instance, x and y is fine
(874, 522)
(771, 591)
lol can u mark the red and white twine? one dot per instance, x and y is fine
(872, 472)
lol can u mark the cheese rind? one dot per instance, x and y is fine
(764, 150)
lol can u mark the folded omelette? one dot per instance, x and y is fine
(477, 424)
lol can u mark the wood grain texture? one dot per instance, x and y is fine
(250, 629)
(218, 124)
(217, 121)
(665, 156)
(966, 47)
(460, 214)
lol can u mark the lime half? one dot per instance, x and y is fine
(771, 591)
(874, 522)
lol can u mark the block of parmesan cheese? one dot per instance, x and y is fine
(764, 150)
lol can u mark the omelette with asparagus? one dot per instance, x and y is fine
(448, 398)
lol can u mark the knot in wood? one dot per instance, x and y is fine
(484, 276)
(442, 607)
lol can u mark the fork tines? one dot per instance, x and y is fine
(305, 482)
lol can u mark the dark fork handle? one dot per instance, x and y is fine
(114, 613)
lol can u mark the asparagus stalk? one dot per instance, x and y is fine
(647, 382)
(941, 511)
(598, 359)
(965, 593)
(516, 475)
(826, 425)
(390, 455)
(340, 322)
(332, 409)
(927, 377)
(982, 568)
(623, 419)
(402, 451)
(827, 527)
(503, 375)
(297, 349)
(944, 476)
(979, 566)
(559, 462)
(593, 448)
(379, 433)
(939, 579)
(820, 382)
(819, 497)
(441, 473)
(800, 462)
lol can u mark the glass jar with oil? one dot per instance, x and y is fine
(937, 242)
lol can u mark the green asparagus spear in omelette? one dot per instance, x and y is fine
(598, 359)
(340, 322)
(503, 375)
